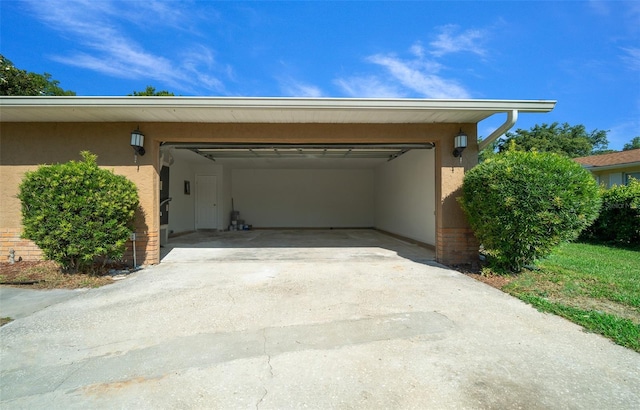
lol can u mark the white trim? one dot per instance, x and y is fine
(270, 110)
(281, 102)
(596, 168)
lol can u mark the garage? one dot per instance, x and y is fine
(389, 187)
(394, 165)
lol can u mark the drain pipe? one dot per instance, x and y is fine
(133, 239)
(512, 117)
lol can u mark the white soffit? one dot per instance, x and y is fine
(257, 110)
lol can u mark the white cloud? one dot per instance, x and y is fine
(293, 88)
(450, 40)
(402, 78)
(99, 29)
(417, 49)
(420, 77)
(419, 74)
(632, 58)
(368, 87)
(599, 7)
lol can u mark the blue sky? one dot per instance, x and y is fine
(584, 54)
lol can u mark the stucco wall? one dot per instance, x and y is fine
(23, 147)
(405, 196)
(455, 242)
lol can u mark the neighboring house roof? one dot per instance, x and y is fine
(611, 161)
(258, 110)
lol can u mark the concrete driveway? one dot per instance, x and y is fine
(256, 325)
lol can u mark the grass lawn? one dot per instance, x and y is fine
(595, 286)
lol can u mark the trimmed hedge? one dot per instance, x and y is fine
(77, 213)
(619, 220)
(523, 204)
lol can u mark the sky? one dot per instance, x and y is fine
(584, 54)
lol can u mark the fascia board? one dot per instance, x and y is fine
(595, 168)
(293, 103)
(72, 107)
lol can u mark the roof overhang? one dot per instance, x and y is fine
(258, 110)
(595, 168)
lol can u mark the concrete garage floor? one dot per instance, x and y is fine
(292, 244)
(374, 325)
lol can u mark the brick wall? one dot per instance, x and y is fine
(25, 249)
(456, 246)
(147, 248)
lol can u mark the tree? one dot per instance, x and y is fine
(489, 151)
(572, 141)
(77, 212)
(14, 81)
(521, 205)
(619, 219)
(151, 92)
(633, 144)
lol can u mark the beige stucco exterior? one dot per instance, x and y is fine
(24, 146)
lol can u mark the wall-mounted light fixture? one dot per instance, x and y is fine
(137, 142)
(460, 143)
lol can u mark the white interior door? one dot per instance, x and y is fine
(206, 202)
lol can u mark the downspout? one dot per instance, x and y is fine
(512, 117)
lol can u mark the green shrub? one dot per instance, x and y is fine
(523, 204)
(619, 220)
(76, 212)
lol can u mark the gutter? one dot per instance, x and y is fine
(512, 117)
(595, 168)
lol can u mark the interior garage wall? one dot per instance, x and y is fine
(181, 207)
(185, 167)
(405, 196)
(304, 198)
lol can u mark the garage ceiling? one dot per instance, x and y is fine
(257, 110)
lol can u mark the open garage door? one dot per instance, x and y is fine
(390, 187)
